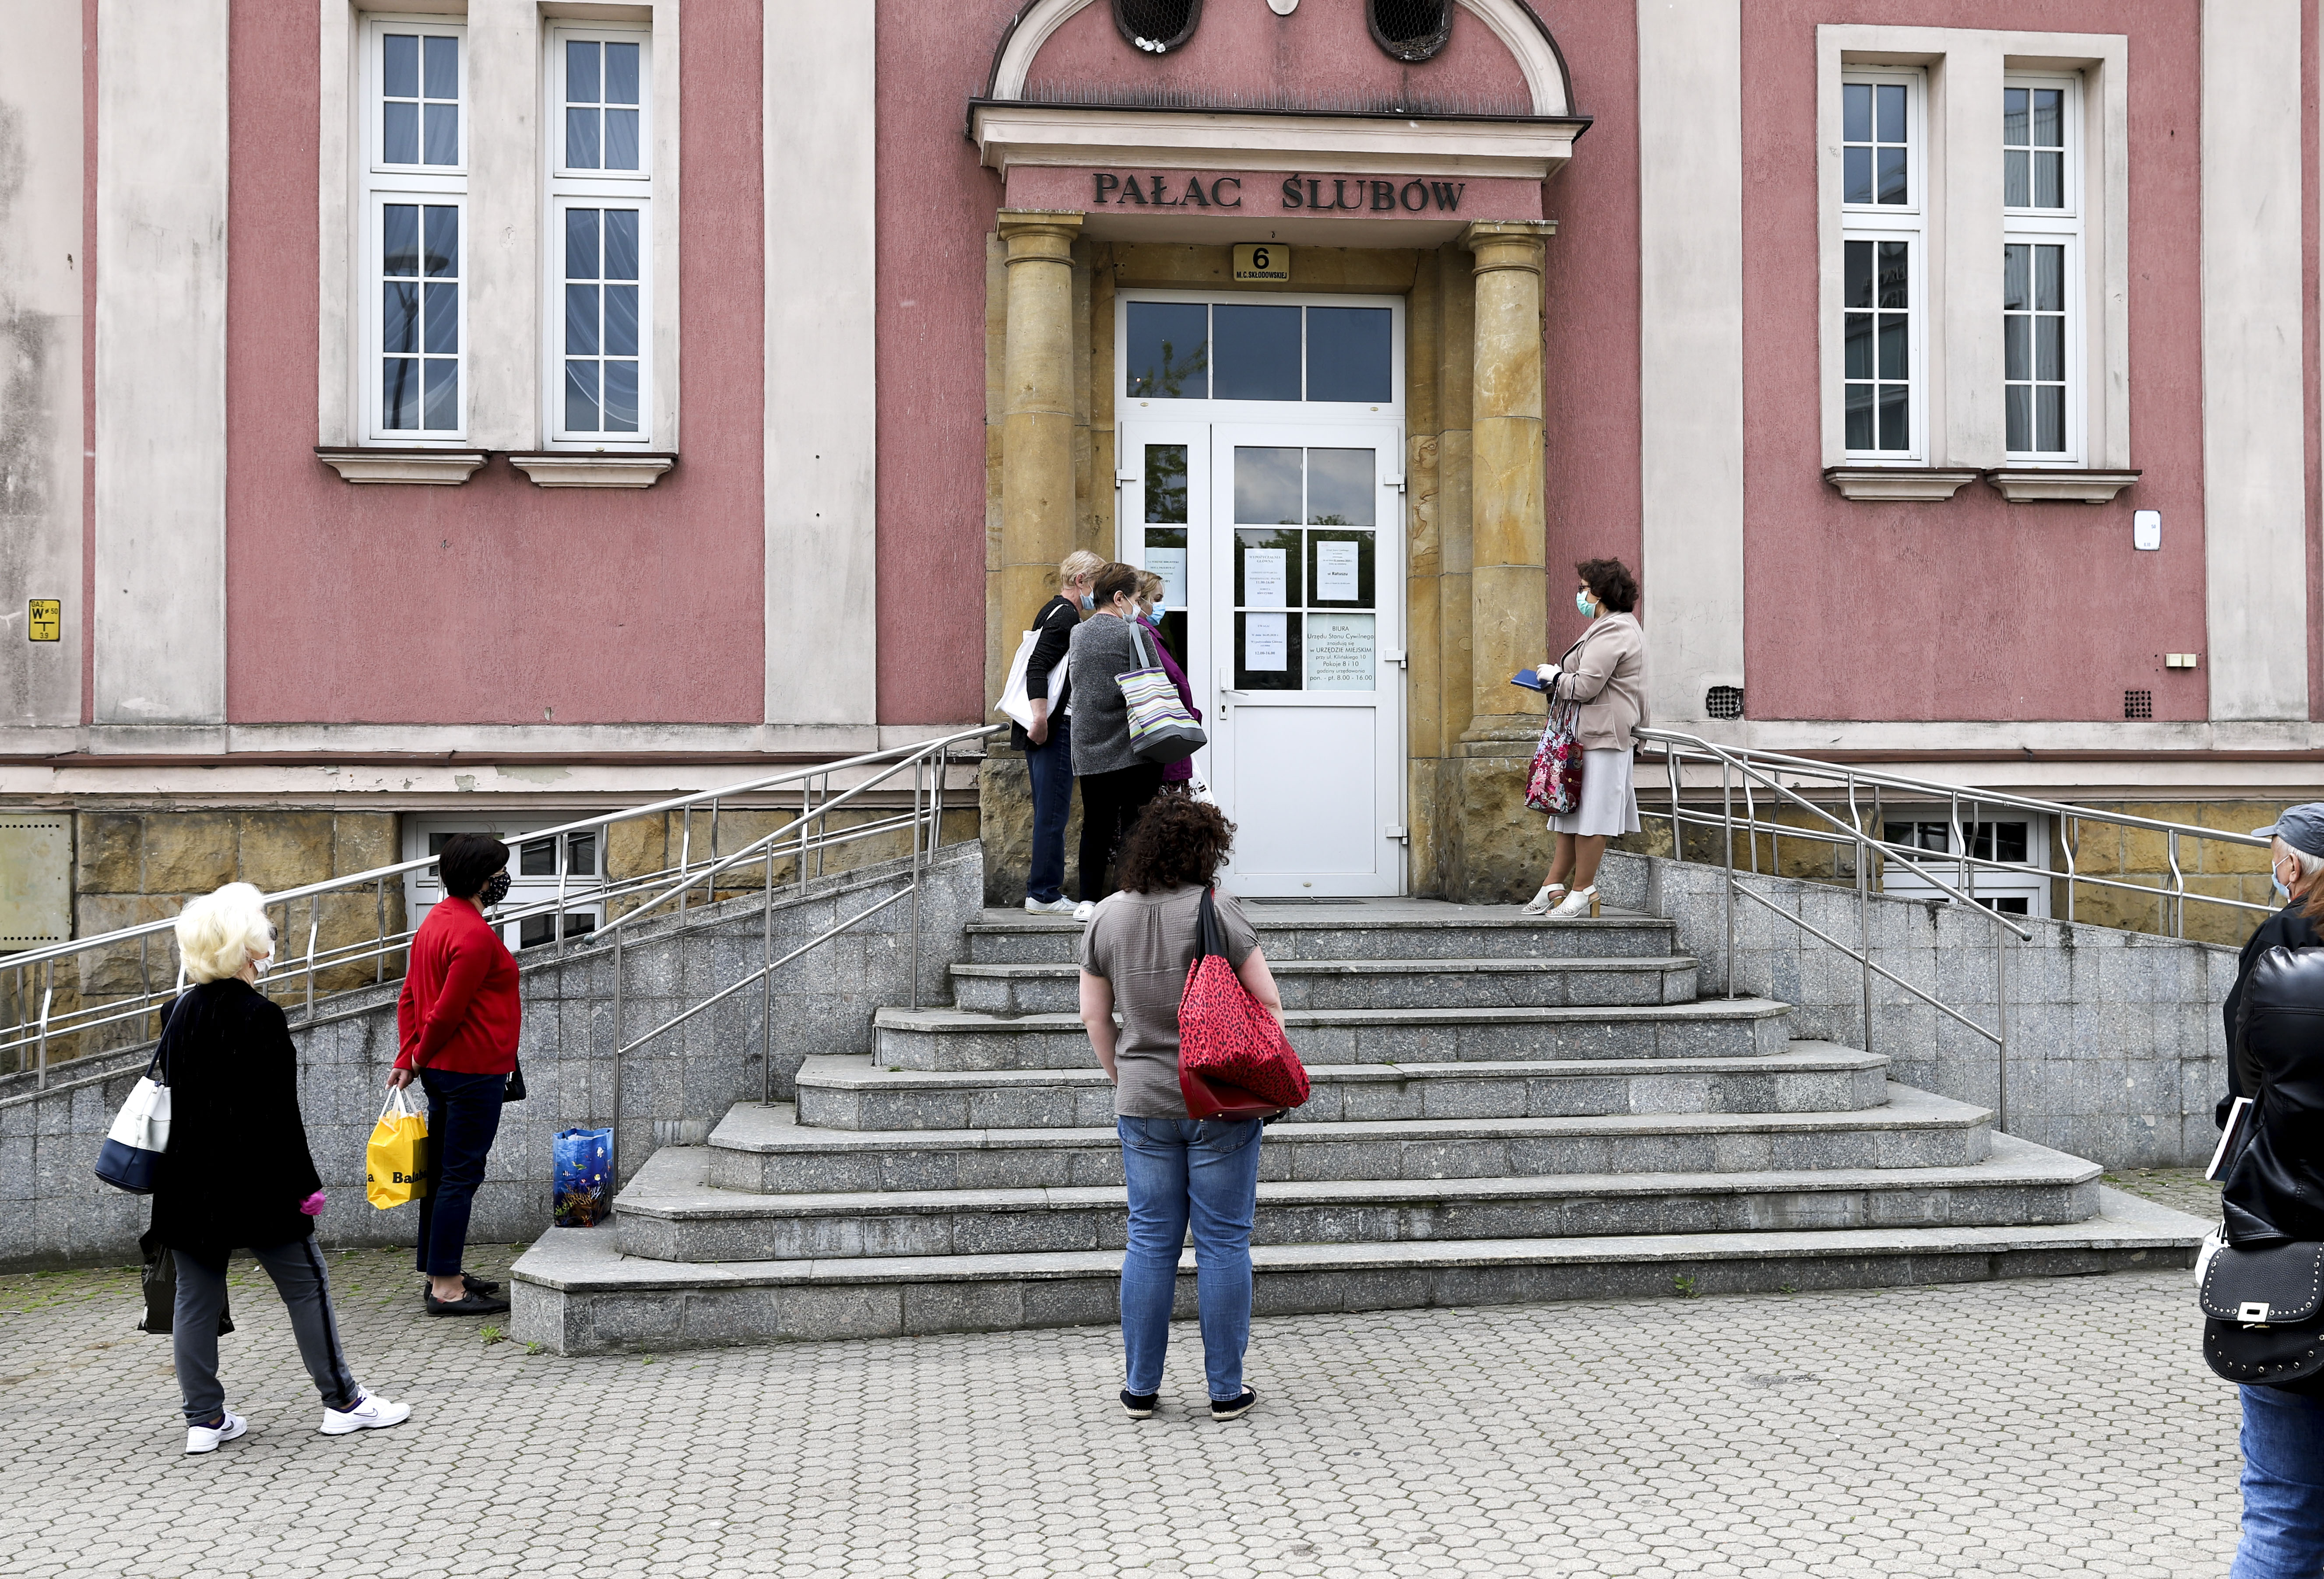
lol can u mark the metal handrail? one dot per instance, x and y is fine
(810, 833)
(1746, 769)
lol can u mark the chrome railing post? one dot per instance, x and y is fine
(1863, 910)
(1727, 821)
(2001, 1024)
(2071, 840)
(48, 995)
(2178, 886)
(378, 919)
(685, 858)
(917, 842)
(710, 878)
(620, 1027)
(767, 975)
(314, 924)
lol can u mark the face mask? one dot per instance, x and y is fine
(2282, 893)
(1089, 604)
(1160, 608)
(1582, 601)
(258, 966)
(496, 889)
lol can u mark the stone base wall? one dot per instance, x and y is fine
(673, 1091)
(2117, 1052)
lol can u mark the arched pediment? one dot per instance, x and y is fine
(1511, 24)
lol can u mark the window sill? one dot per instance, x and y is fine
(2037, 485)
(1895, 482)
(583, 470)
(439, 468)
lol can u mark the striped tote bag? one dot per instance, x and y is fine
(1161, 730)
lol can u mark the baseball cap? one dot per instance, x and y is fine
(2299, 826)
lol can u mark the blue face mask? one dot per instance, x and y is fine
(1581, 603)
(1160, 608)
(1088, 603)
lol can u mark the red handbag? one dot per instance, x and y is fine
(1234, 1061)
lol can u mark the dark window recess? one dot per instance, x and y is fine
(2138, 704)
(1987, 841)
(1410, 30)
(1157, 26)
(1723, 702)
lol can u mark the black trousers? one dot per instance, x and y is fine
(1111, 803)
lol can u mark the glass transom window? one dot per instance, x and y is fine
(2033, 147)
(1258, 351)
(1876, 143)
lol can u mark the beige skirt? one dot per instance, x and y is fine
(1610, 804)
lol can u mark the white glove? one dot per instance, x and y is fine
(1547, 674)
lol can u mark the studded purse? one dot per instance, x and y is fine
(2263, 1312)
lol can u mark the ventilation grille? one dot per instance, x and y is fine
(1410, 30)
(2138, 704)
(1157, 26)
(1723, 702)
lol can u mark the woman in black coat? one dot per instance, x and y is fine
(238, 1174)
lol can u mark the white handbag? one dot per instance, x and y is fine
(131, 1157)
(1015, 700)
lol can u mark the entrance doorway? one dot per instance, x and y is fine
(1262, 477)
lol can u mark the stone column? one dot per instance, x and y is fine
(1037, 429)
(1501, 847)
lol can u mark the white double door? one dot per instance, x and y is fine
(1282, 546)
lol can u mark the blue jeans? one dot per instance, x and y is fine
(1052, 768)
(2283, 1486)
(1181, 1169)
(463, 1114)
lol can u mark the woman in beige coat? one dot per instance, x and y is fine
(1605, 675)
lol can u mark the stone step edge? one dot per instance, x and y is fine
(1265, 918)
(774, 1130)
(671, 1187)
(585, 1261)
(1488, 964)
(861, 1072)
(1717, 1010)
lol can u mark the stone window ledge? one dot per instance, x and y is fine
(2034, 485)
(571, 469)
(439, 468)
(1893, 483)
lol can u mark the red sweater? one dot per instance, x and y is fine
(459, 1011)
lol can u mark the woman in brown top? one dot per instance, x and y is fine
(1134, 956)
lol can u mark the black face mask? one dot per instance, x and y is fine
(495, 890)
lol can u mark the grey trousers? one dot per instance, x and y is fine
(297, 1269)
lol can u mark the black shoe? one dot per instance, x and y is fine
(1234, 1409)
(476, 1285)
(472, 1304)
(1139, 1405)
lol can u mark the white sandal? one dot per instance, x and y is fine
(1540, 904)
(1579, 902)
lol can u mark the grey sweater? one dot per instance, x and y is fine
(1102, 647)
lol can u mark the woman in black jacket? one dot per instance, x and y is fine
(1049, 745)
(238, 1174)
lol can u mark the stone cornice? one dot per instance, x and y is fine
(1011, 133)
(436, 467)
(593, 469)
(1895, 482)
(2036, 485)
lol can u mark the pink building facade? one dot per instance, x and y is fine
(459, 414)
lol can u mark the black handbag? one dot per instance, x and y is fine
(2263, 1312)
(513, 1091)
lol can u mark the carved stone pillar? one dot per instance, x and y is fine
(1037, 431)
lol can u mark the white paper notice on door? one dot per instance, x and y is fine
(1340, 650)
(1170, 564)
(1335, 572)
(1267, 638)
(1264, 577)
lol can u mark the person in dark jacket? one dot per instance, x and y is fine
(2275, 1190)
(238, 1174)
(1115, 781)
(1049, 745)
(458, 1021)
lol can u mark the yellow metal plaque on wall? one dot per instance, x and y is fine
(47, 621)
(1263, 260)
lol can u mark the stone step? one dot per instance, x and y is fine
(1805, 1077)
(670, 1213)
(764, 1150)
(576, 1293)
(1373, 984)
(1362, 929)
(946, 1039)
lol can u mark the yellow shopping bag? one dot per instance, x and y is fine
(395, 1163)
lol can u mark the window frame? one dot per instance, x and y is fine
(427, 185)
(1907, 222)
(584, 895)
(565, 188)
(2053, 226)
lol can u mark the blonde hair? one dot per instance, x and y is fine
(1079, 565)
(221, 932)
(1149, 586)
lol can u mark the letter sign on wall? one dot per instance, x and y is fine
(45, 620)
(1263, 260)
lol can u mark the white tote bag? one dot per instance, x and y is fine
(1014, 699)
(131, 1156)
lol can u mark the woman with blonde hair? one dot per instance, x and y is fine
(238, 1174)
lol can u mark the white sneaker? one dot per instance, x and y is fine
(1060, 905)
(371, 1413)
(1551, 892)
(1083, 911)
(205, 1438)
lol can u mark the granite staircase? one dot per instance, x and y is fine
(1503, 1109)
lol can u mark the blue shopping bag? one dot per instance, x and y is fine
(584, 1178)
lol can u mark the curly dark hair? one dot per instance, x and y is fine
(1178, 840)
(1610, 583)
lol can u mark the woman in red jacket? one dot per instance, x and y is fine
(458, 1021)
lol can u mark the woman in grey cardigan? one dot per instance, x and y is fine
(1115, 783)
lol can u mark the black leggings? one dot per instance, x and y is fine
(1111, 803)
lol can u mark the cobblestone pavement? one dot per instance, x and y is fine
(2065, 1426)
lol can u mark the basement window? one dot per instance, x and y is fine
(1157, 26)
(1410, 30)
